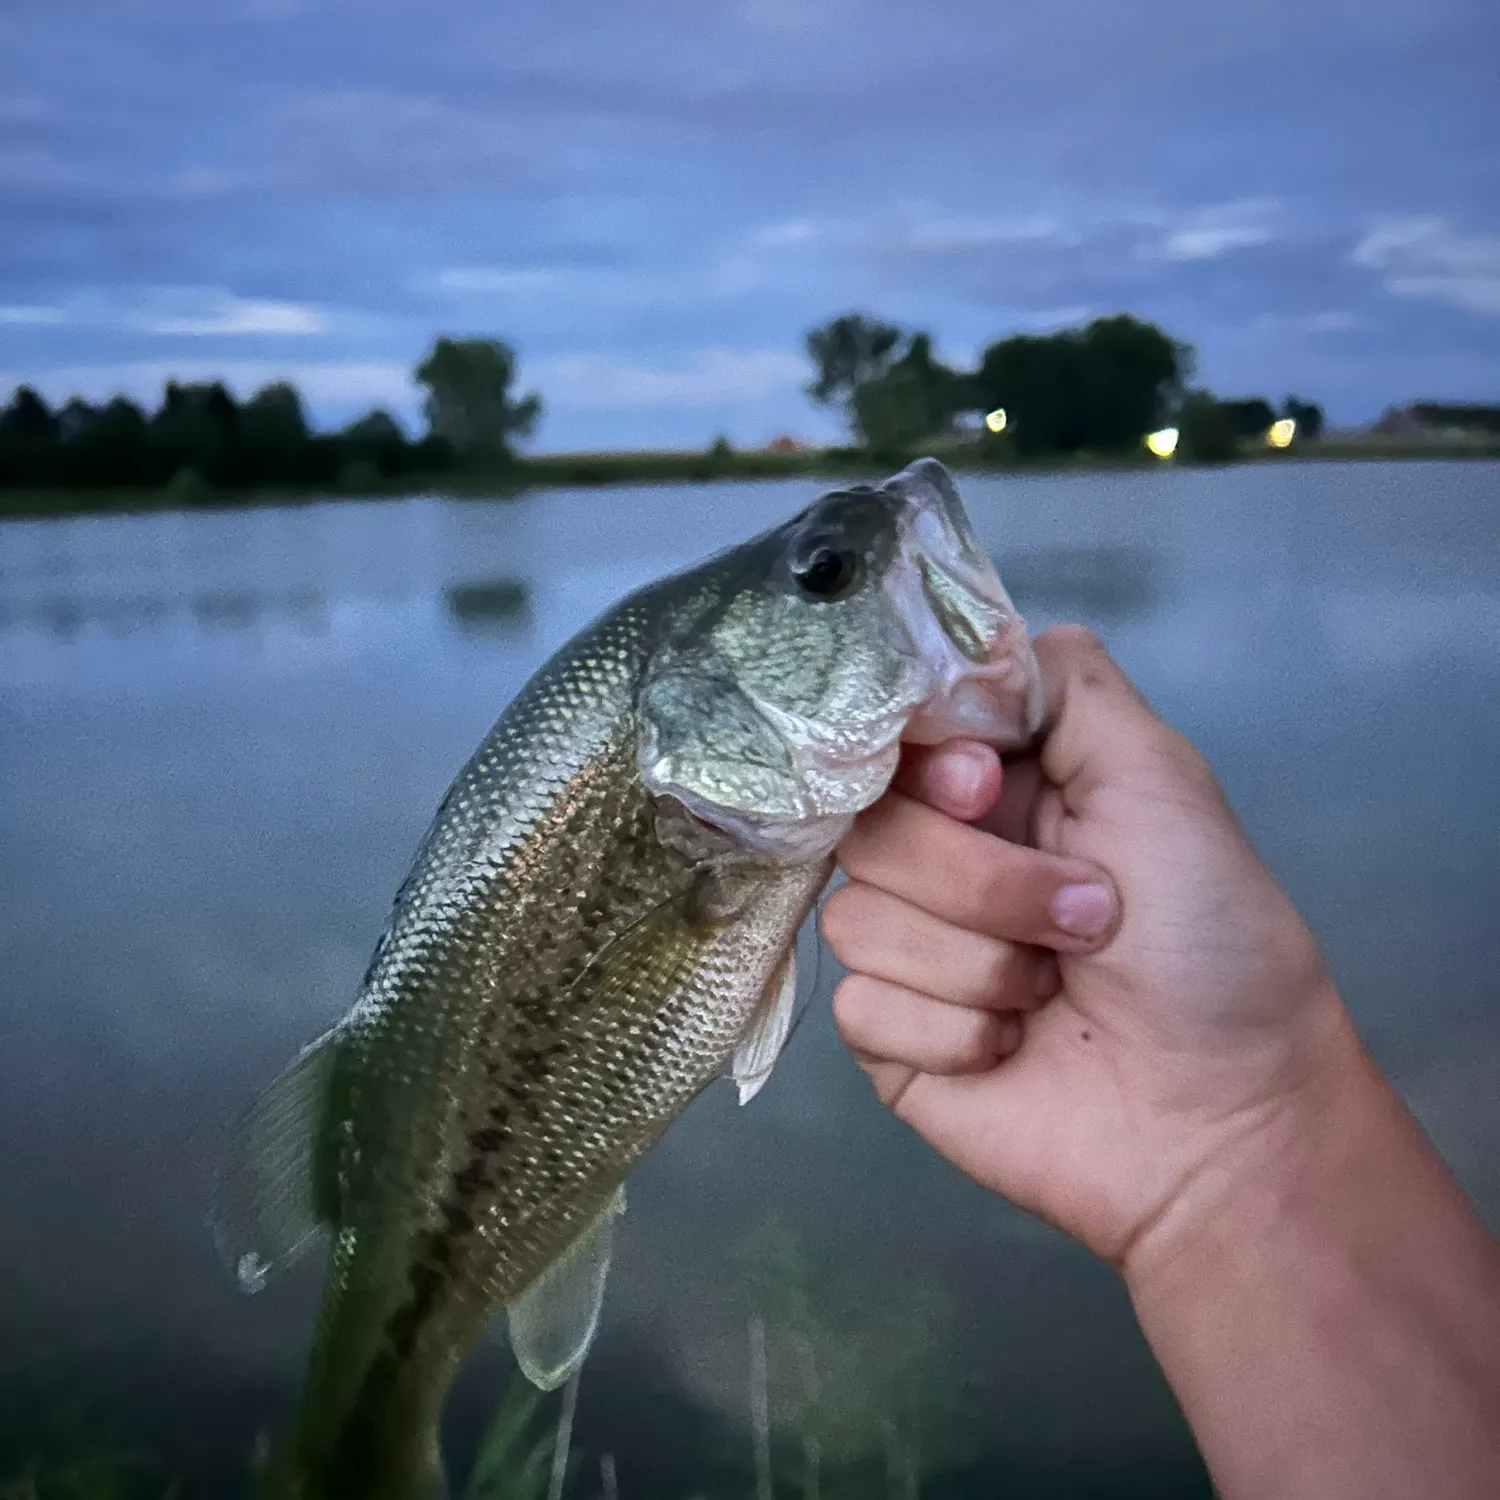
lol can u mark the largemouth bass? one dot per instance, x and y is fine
(601, 920)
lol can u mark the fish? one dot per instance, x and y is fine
(600, 921)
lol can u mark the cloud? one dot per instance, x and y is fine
(200, 182)
(236, 315)
(32, 317)
(505, 280)
(190, 311)
(1209, 244)
(381, 143)
(1214, 231)
(699, 378)
(923, 229)
(1331, 320)
(1427, 257)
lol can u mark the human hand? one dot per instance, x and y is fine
(1108, 1077)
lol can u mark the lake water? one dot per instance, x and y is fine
(221, 736)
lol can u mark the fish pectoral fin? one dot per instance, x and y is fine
(266, 1210)
(552, 1322)
(768, 1030)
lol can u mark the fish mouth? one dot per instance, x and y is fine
(983, 679)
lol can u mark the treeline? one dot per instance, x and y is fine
(1096, 389)
(201, 438)
(1457, 417)
(1093, 390)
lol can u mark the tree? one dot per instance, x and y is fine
(275, 442)
(1036, 380)
(1130, 374)
(28, 439)
(849, 352)
(273, 417)
(1250, 416)
(1308, 416)
(27, 419)
(106, 445)
(913, 399)
(469, 399)
(74, 419)
(197, 427)
(1101, 387)
(1206, 431)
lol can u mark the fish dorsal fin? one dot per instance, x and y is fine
(768, 1030)
(265, 1211)
(552, 1322)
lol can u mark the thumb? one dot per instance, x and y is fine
(1098, 725)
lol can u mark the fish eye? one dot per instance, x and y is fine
(825, 571)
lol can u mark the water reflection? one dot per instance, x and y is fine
(64, 618)
(221, 737)
(501, 606)
(1105, 585)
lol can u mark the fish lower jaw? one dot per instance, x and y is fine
(999, 705)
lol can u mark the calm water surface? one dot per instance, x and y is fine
(221, 737)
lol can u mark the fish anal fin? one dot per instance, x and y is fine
(268, 1206)
(768, 1029)
(552, 1322)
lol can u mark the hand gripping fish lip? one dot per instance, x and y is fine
(962, 666)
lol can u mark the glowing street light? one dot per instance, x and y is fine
(1280, 434)
(1162, 443)
(996, 420)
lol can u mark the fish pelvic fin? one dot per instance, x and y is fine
(768, 1029)
(552, 1323)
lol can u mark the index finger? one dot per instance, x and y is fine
(974, 879)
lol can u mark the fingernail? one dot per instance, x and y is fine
(1083, 910)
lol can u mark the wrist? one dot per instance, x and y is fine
(1326, 1304)
(1270, 1162)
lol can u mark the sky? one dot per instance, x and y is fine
(653, 202)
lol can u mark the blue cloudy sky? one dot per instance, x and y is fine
(653, 200)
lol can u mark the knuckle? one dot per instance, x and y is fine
(851, 1008)
(859, 854)
(1000, 971)
(1075, 637)
(835, 920)
(974, 1047)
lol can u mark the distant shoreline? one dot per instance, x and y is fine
(599, 470)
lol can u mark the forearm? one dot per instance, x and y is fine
(1328, 1313)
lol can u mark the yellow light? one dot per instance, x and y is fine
(1280, 434)
(996, 420)
(1163, 443)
